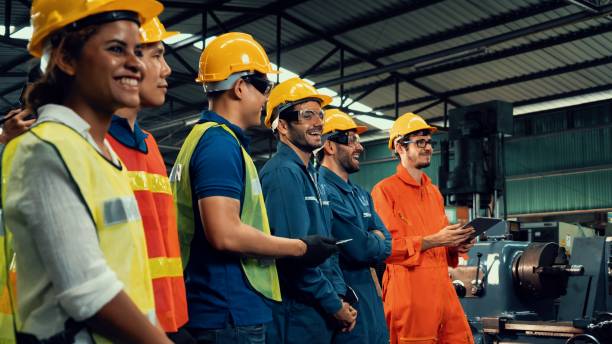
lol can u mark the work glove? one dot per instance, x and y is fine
(318, 249)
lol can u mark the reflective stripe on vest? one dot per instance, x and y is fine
(261, 273)
(110, 201)
(143, 181)
(149, 181)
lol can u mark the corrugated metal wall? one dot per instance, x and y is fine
(557, 161)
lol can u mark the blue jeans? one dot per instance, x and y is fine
(254, 334)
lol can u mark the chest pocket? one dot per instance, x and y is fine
(402, 217)
(120, 210)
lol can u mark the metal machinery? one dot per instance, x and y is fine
(520, 285)
(530, 292)
(476, 140)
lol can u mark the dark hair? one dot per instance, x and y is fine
(54, 84)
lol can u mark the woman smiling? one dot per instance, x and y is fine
(82, 269)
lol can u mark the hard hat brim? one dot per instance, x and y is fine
(360, 129)
(146, 10)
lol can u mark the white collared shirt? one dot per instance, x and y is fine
(62, 272)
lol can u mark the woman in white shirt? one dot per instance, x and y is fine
(81, 266)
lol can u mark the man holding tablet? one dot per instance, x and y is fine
(420, 303)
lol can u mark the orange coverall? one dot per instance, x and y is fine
(421, 306)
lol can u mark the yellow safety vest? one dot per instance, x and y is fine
(261, 273)
(109, 199)
(7, 285)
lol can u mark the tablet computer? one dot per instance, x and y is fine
(481, 225)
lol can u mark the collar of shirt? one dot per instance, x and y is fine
(288, 153)
(403, 174)
(335, 179)
(211, 116)
(120, 129)
(66, 116)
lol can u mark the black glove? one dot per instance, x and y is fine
(318, 249)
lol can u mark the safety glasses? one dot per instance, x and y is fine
(345, 138)
(304, 115)
(421, 143)
(260, 82)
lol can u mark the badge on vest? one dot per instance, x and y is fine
(120, 210)
(366, 215)
(175, 174)
(255, 186)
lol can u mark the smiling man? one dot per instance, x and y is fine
(420, 303)
(312, 309)
(354, 218)
(149, 181)
(226, 244)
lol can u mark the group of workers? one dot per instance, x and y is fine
(99, 244)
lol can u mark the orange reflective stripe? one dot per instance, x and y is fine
(143, 181)
(165, 267)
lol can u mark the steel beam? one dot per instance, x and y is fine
(501, 54)
(428, 106)
(401, 8)
(506, 82)
(216, 7)
(486, 42)
(352, 51)
(455, 32)
(275, 7)
(558, 96)
(320, 62)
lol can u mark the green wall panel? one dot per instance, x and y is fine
(560, 193)
(558, 151)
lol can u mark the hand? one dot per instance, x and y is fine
(347, 316)
(449, 236)
(318, 249)
(378, 233)
(15, 125)
(466, 246)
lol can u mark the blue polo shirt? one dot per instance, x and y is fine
(297, 207)
(121, 131)
(217, 290)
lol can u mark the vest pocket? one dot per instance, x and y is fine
(120, 210)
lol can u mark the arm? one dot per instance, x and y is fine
(217, 175)
(405, 250)
(225, 232)
(288, 217)
(86, 288)
(366, 247)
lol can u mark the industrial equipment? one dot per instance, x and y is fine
(531, 292)
(476, 139)
(553, 231)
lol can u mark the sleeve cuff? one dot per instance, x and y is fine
(332, 304)
(387, 253)
(84, 301)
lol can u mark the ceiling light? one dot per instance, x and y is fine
(23, 33)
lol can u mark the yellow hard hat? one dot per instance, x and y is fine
(336, 120)
(406, 124)
(48, 16)
(291, 91)
(153, 31)
(231, 53)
